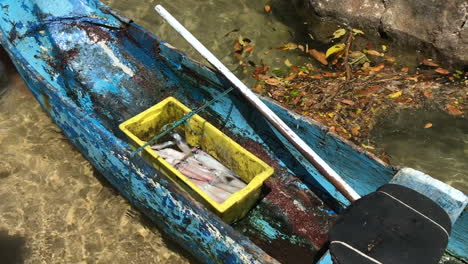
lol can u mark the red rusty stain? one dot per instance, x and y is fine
(308, 221)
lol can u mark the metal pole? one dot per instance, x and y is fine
(287, 132)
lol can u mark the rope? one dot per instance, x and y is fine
(182, 120)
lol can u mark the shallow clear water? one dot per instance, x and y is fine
(56, 209)
(441, 150)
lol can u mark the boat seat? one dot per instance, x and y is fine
(394, 225)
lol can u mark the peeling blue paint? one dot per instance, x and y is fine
(55, 47)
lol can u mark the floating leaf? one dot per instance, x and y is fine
(367, 146)
(454, 110)
(339, 33)
(241, 41)
(267, 8)
(358, 31)
(430, 63)
(442, 71)
(288, 46)
(377, 68)
(355, 131)
(347, 101)
(319, 56)
(395, 94)
(287, 63)
(249, 48)
(428, 125)
(259, 89)
(373, 52)
(334, 49)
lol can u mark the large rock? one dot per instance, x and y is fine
(438, 26)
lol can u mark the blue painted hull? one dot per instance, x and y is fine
(90, 70)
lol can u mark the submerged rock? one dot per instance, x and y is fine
(437, 26)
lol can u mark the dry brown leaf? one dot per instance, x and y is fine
(429, 62)
(319, 56)
(267, 8)
(377, 68)
(390, 59)
(355, 131)
(442, 71)
(238, 46)
(369, 90)
(428, 125)
(273, 81)
(295, 68)
(374, 53)
(405, 69)
(454, 110)
(290, 77)
(347, 101)
(330, 74)
(259, 89)
(427, 93)
(332, 129)
(249, 48)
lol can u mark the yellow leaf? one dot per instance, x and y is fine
(428, 125)
(339, 33)
(384, 48)
(334, 49)
(241, 41)
(367, 146)
(358, 31)
(395, 94)
(287, 63)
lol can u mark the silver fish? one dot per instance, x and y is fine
(163, 145)
(180, 142)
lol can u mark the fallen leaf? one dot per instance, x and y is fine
(347, 101)
(429, 62)
(238, 46)
(377, 68)
(289, 46)
(384, 48)
(358, 31)
(332, 129)
(241, 41)
(374, 53)
(442, 71)
(395, 94)
(267, 8)
(300, 47)
(249, 48)
(367, 146)
(428, 125)
(339, 33)
(291, 76)
(405, 69)
(295, 69)
(287, 63)
(390, 59)
(355, 131)
(334, 49)
(427, 94)
(259, 89)
(454, 110)
(319, 56)
(330, 74)
(369, 90)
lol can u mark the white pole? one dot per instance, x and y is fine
(315, 159)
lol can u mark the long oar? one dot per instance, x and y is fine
(287, 132)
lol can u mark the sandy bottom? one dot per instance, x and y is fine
(54, 207)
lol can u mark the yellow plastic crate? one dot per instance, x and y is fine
(251, 169)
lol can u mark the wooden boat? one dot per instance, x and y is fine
(92, 69)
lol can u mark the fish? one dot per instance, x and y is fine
(181, 143)
(163, 145)
(210, 175)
